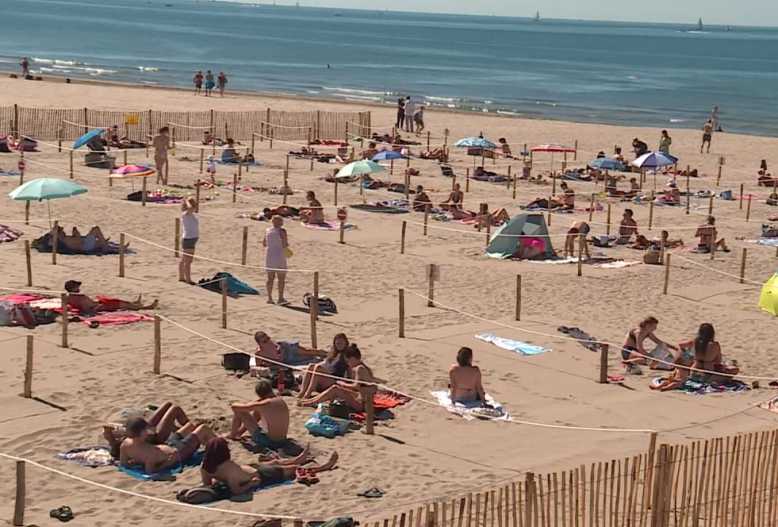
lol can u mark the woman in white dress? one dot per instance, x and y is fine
(276, 245)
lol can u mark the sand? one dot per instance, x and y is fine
(425, 452)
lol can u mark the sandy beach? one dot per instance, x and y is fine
(425, 452)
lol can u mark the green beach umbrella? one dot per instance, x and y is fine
(48, 189)
(359, 168)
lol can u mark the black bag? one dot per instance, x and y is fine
(339, 409)
(326, 304)
(236, 361)
(343, 521)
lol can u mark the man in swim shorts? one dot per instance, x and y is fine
(266, 419)
(161, 144)
(139, 447)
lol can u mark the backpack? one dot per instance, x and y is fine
(236, 361)
(326, 304)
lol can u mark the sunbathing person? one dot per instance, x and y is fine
(86, 305)
(421, 200)
(283, 210)
(667, 243)
(671, 197)
(168, 421)
(708, 357)
(495, 218)
(772, 199)
(370, 151)
(139, 448)
(578, 231)
(266, 419)
(438, 153)
(94, 241)
(465, 379)
(334, 364)
(230, 154)
(634, 188)
(313, 214)
(282, 352)
(454, 200)
(681, 372)
(708, 235)
(566, 200)
(766, 179)
(627, 227)
(348, 392)
(633, 351)
(241, 479)
(612, 186)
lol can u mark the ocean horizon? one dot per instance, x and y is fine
(665, 75)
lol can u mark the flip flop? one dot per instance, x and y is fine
(375, 492)
(63, 514)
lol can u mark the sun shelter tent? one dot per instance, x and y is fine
(768, 299)
(522, 230)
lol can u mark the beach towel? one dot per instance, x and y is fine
(7, 234)
(93, 456)
(618, 264)
(116, 318)
(583, 338)
(694, 386)
(474, 410)
(155, 197)
(9, 173)
(517, 346)
(164, 475)
(219, 492)
(383, 402)
(235, 287)
(328, 226)
(43, 245)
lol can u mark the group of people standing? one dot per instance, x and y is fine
(210, 82)
(410, 115)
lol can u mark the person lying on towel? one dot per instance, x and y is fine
(241, 479)
(465, 379)
(168, 424)
(93, 243)
(266, 419)
(284, 352)
(86, 305)
(140, 447)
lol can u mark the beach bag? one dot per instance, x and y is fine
(201, 495)
(236, 361)
(325, 426)
(726, 195)
(326, 304)
(338, 409)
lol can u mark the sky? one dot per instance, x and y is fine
(725, 12)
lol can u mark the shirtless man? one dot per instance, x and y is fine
(313, 214)
(86, 305)
(577, 231)
(139, 448)
(627, 227)
(348, 392)
(161, 143)
(454, 200)
(166, 420)
(266, 419)
(283, 351)
(421, 200)
(708, 234)
(465, 379)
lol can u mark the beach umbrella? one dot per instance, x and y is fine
(359, 168)
(132, 171)
(84, 139)
(553, 149)
(48, 189)
(387, 155)
(475, 142)
(654, 160)
(606, 163)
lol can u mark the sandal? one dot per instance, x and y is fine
(63, 514)
(375, 492)
(306, 477)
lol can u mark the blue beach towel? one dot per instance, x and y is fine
(517, 346)
(139, 473)
(235, 287)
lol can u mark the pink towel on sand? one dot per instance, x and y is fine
(117, 318)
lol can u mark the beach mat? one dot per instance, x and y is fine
(327, 226)
(470, 411)
(381, 209)
(116, 318)
(697, 387)
(164, 475)
(516, 346)
(92, 456)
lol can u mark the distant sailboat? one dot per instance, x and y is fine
(537, 16)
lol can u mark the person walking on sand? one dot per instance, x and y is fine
(221, 82)
(707, 135)
(161, 143)
(410, 111)
(276, 244)
(209, 83)
(664, 142)
(25, 64)
(197, 80)
(191, 233)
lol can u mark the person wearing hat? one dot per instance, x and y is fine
(86, 305)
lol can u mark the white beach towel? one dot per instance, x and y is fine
(470, 411)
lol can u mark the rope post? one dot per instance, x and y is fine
(271, 138)
(21, 494)
(28, 370)
(64, 299)
(688, 191)
(591, 208)
(240, 170)
(548, 220)
(28, 258)
(197, 195)
(608, 226)
(651, 214)
(313, 308)
(518, 297)
(245, 247)
(368, 392)
(488, 229)
(341, 232)
(426, 217)
(143, 192)
(59, 140)
(234, 188)
(286, 186)
(71, 164)
(741, 197)
(54, 242)
(710, 206)
(405, 226)
(253, 141)
(125, 157)
(431, 285)
(223, 283)
(508, 183)
(401, 305)
(667, 273)
(157, 344)
(713, 250)
(176, 237)
(335, 197)
(575, 152)
(27, 212)
(718, 177)
(515, 182)
(407, 184)
(743, 265)
(467, 180)
(748, 209)
(121, 255)
(603, 364)
(581, 242)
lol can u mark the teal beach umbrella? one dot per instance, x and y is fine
(359, 168)
(48, 189)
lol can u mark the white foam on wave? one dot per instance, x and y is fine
(355, 91)
(148, 68)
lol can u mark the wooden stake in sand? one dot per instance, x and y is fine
(743, 265)
(157, 344)
(748, 209)
(508, 182)
(603, 364)
(718, 177)
(401, 305)
(431, 288)
(71, 164)
(515, 183)
(197, 195)
(27, 212)
(28, 257)
(311, 166)
(121, 255)
(64, 299)
(341, 232)
(575, 152)
(426, 217)
(741, 197)
(650, 214)
(402, 237)
(518, 297)
(245, 246)
(223, 284)
(667, 273)
(28, 369)
(335, 196)
(54, 243)
(21, 494)
(688, 192)
(313, 308)
(591, 208)
(710, 205)
(234, 188)
(125, 158)
(143, 192)
(285, 188)
(176, 237)
(467, 180)
(368, 392)
(608, 226)
(581, 242)
(488, 229)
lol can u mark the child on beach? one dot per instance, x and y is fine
(211, 169)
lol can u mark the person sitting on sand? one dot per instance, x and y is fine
(284, 351)
(617, 155)
(633, 351)
(627, 227)
(577, 231)
(772, 199)
(666, 242)
(639, 147)
(708, 235)
(139, 448)
(634, 188)
(334, 364)
(765, 179)
(87, 306)
(229, 153)
(348, 392)
(505, 148)
(495, 219)
(708, 357)
(421, 200)
(168, 422)
(612, 186)
(465, 379)
(265, 419)
(565, 200)
(370, 151)
(672, 196)
(313, 214)
(454, 200)
(681, 372)
(241, 479)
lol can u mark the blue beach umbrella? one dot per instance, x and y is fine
(654, 160)
(387, 155)
(84, 139)
(475, 142)
(48, 189)
(604, 163)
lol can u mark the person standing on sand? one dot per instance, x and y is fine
(25, 64)
(276, 244)
(714, 119)
(191, 233)
(664, 142)
(209, 83)
(707, 134)
(221, 82)
(400, 114)
(197, 80)
(161, 143)
(410, 111)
